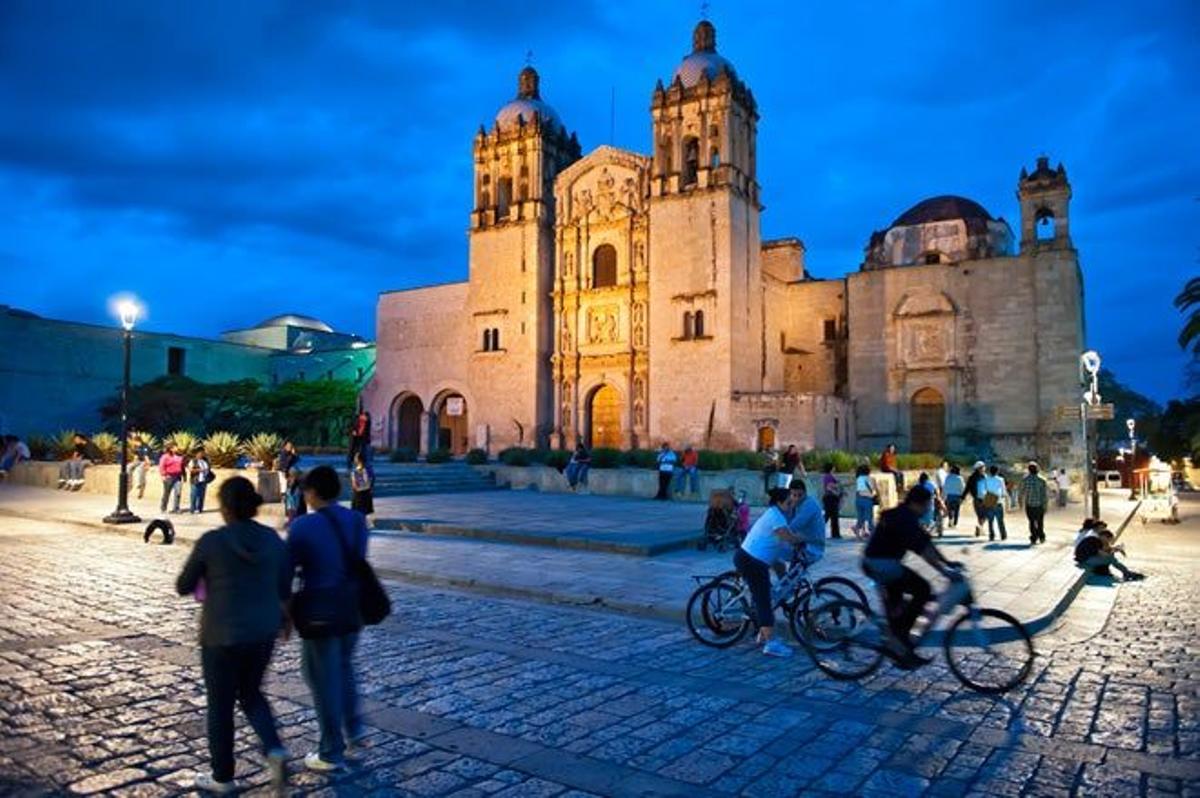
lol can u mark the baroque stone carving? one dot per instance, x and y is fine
(602, 325)
(639, 324)
(925, 342)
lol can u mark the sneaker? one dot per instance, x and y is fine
(205, 782)
(277, 767)
(777, 648)
(313, 761)
(1134, 576)
(62, 483)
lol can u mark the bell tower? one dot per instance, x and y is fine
(706, 300)
(1045, 197)
(511, 250)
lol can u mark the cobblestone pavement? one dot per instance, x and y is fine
(476, 696)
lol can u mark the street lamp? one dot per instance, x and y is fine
(1089, 363)
(1130, 425)
(127, 312)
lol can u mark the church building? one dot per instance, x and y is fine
(626, 299)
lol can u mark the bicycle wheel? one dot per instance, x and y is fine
(799, 615)
(848, 588)
(843, 638)
(989, 650)
(718, 614)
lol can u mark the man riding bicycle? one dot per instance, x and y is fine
(899, 531)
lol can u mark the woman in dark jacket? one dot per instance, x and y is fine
(242, 574)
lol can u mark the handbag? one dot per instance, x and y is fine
(343, 608)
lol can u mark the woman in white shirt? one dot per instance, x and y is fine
(864, 502)
(769, 542)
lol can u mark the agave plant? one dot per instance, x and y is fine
(223, 449)
(184, 441)
(264, 448)
(107, 446)
(145, 437)
(42, 447)
(64, 443)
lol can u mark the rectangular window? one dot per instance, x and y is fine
(175, 364)
(830, 329)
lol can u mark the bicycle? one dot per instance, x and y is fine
(988, 650)
(720, 611)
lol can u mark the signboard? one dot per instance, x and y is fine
(1067, 412)
(1103, 412)
(455, 405)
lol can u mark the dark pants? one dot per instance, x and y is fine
(980, 514)
(328, 668)
(235, 673)
(1037, 523)
(664, 484)
(901, 614)
(758, 577)
(995, 517)
(833, 506)
(953, 505)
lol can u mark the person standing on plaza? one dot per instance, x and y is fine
(578, 467)
(321, 545)
(242, 574)
(993, 496)
(360, 435)
(928, 519)
(866, 496)
(1036, 492)
(666, 471)
(976, 476)
(362, 497)
(287, 459)
(688, 473)
(953, 490)
(831, 500)
(1064, 486)
(199, 473)
(888, 464)
(143, 461)
(293, 497)
(770, 467)
(791, 460)
(170, 468)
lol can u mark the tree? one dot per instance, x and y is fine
(1188, 302)
(1128, 403)
(1178, 434)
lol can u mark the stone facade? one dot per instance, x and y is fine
(628, 299)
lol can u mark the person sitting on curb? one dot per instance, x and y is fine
(1095, 551)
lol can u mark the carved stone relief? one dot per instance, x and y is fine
(639, 324)
(602, 326)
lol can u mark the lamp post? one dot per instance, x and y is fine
(128, 311)
(1131, 425)
(1089, 363)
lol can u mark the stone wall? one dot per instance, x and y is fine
(104, 479)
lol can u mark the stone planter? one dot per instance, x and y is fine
(103, 479)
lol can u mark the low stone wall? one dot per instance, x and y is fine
(103, 479)
(644, 482)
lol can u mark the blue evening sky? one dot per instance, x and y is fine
(228, 160)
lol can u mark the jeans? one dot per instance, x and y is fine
(995, 516)
(687, 477)
(577, 474)
(864, 510)
(198, 489)
(953, 505)
(172, 487)
(832, 505)
(328, 667)
(72, 470)
(1062, 497)
(1037, 523)
(235, 673)
(1103, 560)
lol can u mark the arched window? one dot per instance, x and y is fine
(688, 324)
(1045, 225)
(932, 258)
(604, 266)
(503, 197)
(487, 340)
(495, 339)
(698, 324)
(664, 155)
(523, 186)
(691, 160)
(714, 159)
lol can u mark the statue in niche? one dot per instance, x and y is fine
(639, 257)
(566, 335)
(639, 324)
(568, 264)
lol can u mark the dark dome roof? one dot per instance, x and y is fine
(295, 320)
(940, 209)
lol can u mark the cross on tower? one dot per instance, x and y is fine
(529, 58)
(704, 10)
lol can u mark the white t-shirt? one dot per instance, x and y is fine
(762, 543)
(992, 484)
(1064, 481)
(666, 460)
(863, 486)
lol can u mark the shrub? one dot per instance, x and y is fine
(477, 457)
(107, 447)
(438, 456)
(223, 449)
(403, 454)
(640, 458)
(603, 457)
(263, 448)
(515, 456)
(64, 444)
(538, 456)
(184, 441)
(41, 447)
(146, 438)
(557, 458)
(708, 460)
(843, 462)
(918, 461)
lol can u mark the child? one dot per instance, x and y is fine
(293, 496)
(360, 484)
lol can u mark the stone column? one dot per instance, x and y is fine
(426, 430)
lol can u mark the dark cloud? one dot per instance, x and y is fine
(304, 156)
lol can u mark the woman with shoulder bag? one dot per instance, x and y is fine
(865, 498)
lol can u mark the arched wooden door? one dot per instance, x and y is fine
(604, 418)
(766, 438)
(928, 422)
(452, 425)
(408, 423)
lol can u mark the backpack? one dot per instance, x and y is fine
(210, 476)
(990, 500)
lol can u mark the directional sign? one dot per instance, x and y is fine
(1104, 412)
(1067, 412)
